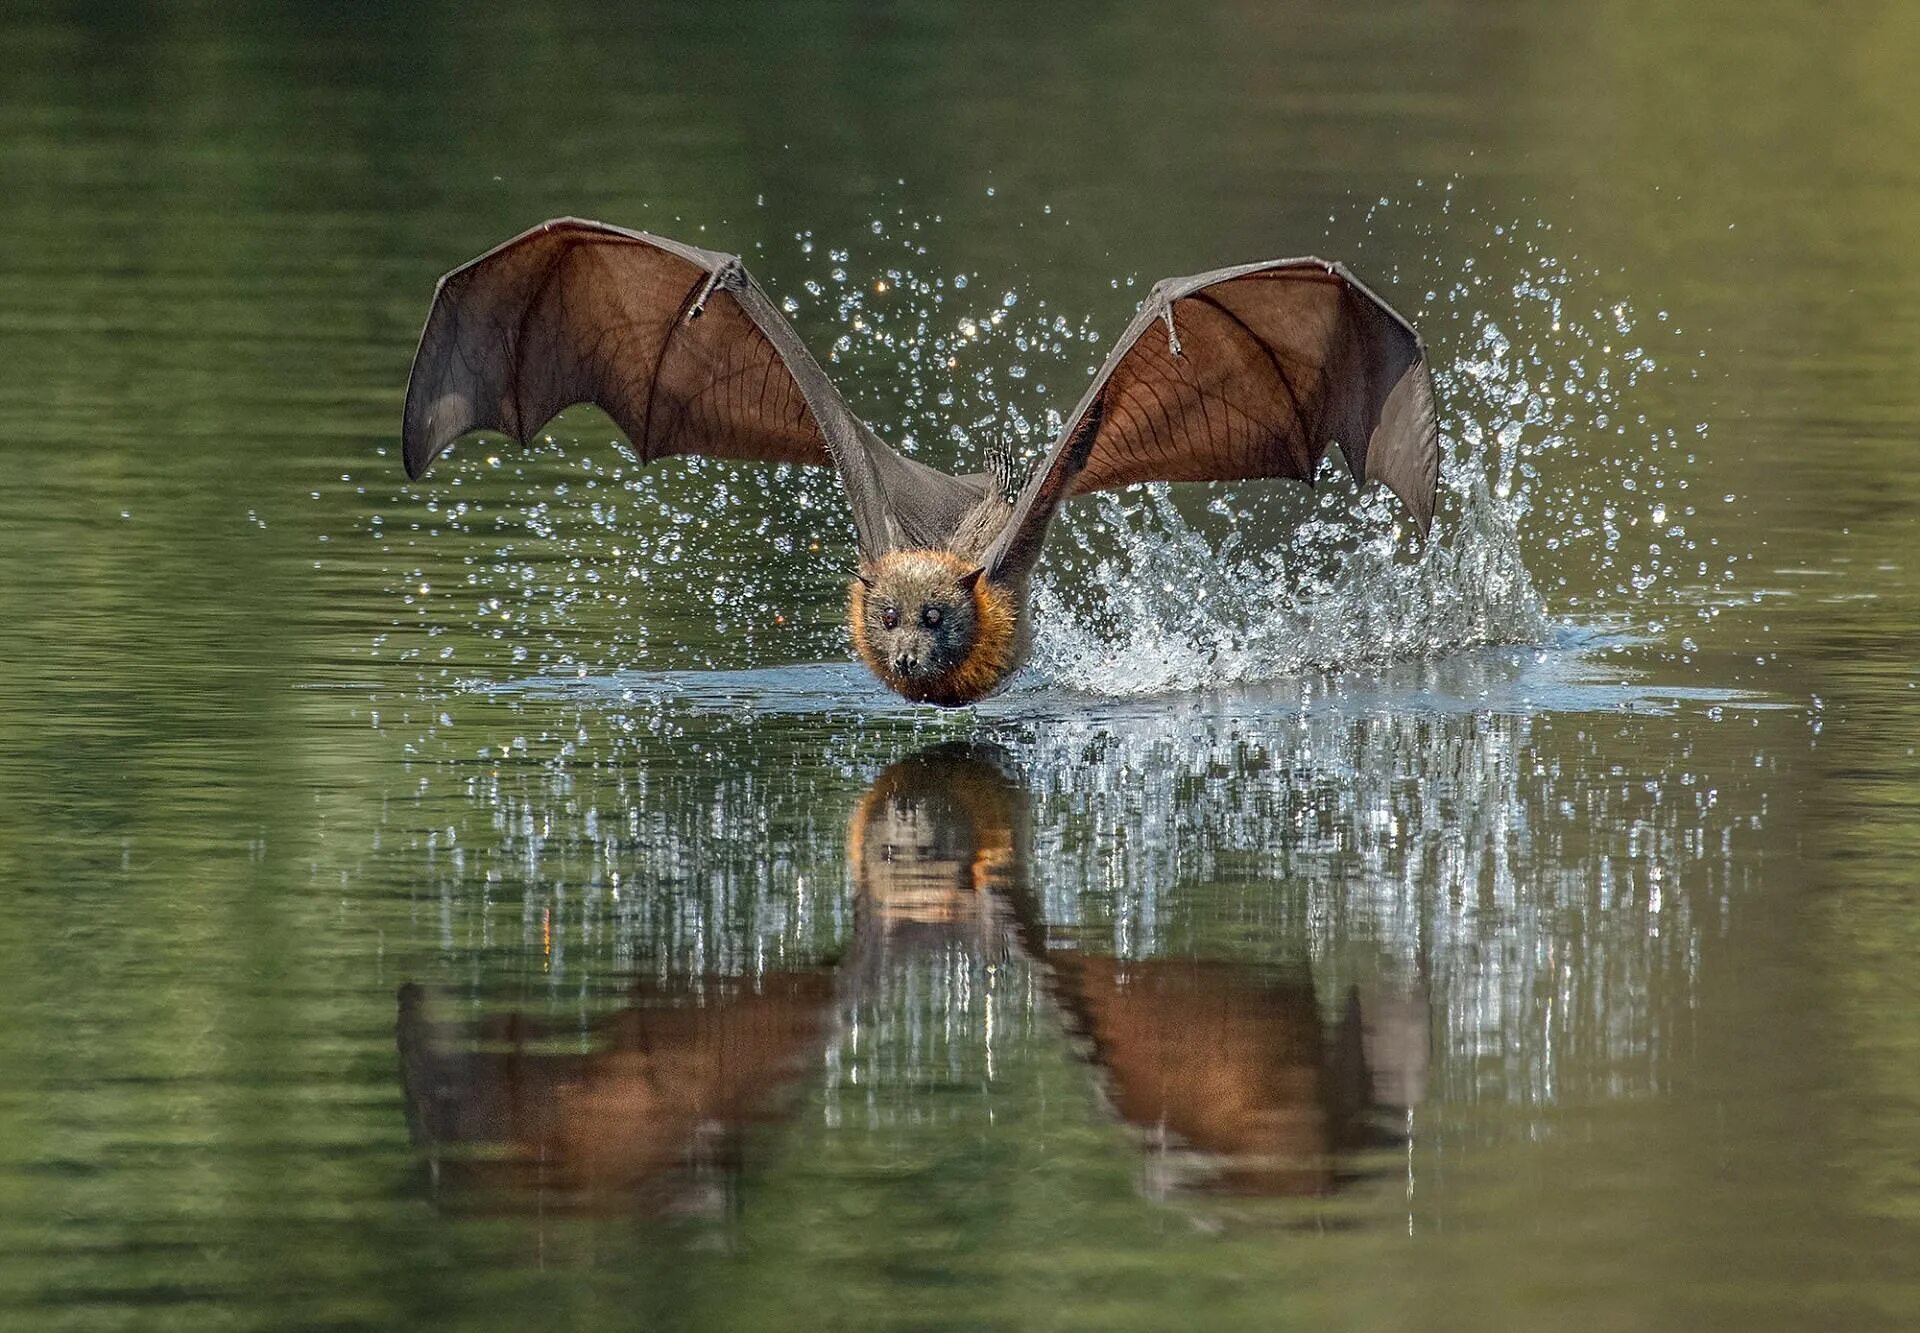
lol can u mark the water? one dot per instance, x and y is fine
(500, 902)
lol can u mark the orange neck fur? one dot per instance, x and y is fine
(991, 660)
(986, 825)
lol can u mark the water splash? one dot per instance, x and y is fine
(1179, 612)
(1267, 583)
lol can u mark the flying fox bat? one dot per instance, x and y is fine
(1251, 371)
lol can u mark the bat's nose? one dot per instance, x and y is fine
(905, 663)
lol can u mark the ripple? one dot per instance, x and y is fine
(1563, 675)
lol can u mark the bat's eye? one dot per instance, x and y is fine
(890, 618)
(930, 616)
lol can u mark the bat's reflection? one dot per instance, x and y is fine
(1226, 1072)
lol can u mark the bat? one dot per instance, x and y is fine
(1244, 372)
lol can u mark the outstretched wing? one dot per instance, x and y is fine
(1245, 372)
(677, 344)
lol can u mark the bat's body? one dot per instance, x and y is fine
(1244, 372)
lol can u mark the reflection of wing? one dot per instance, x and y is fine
(677, 344)
(1246, 372)
(1254, 1094)
(619, 1125)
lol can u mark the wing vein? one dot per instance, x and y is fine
(516, 360)
(644, 447)
(1300, 424)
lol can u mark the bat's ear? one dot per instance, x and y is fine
(971, 577)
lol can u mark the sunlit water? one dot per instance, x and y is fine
(502, 901)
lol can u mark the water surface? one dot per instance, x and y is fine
(500, 902)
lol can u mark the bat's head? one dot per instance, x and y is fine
(915, 617)
(929, 625)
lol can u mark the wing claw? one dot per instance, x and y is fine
(729, 275)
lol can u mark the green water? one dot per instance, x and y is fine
(749, 996)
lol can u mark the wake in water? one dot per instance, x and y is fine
(1153, 590)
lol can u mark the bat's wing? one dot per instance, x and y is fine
(677, 344)
(1245, 372)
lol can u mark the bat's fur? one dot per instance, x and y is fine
(980, 637)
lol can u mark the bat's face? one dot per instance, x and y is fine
(918, 618)
(932, 627)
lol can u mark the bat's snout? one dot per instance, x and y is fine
(906, 664)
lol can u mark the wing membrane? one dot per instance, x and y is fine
(677, 344)
(1240, 373)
